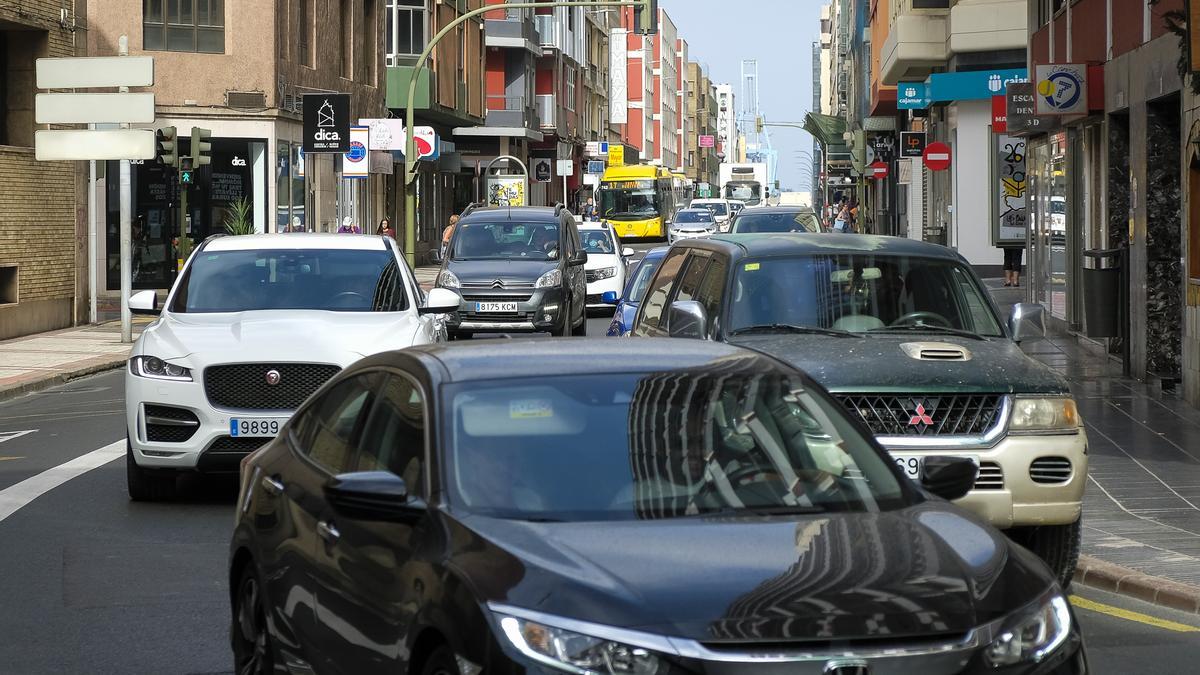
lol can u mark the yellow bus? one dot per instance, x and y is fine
(637, 200)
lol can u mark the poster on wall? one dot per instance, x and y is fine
(506, 190)
(542, 170)
(1012, 216)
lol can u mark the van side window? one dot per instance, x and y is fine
(689, 283)
(659, 291)
(712, 290)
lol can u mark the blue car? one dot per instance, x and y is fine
(631, 296)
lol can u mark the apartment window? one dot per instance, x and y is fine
(569, 75)
(406, 22)
(1046, 9)
(304, 31)
(370, 50)
(184, 26)
(344, 37)
(935, 4)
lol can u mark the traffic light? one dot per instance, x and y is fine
(758, 124)
(646, 21)
(201, 148)
(187, 171)
(165, 145)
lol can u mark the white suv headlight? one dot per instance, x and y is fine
(1044, 414)
(157, 369)
(447, 279)
(549, 279)
(577, 653)
(1033, 633)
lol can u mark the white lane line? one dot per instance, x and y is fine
(9, 435)
(15, 497)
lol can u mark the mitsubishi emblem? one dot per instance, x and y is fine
(921, 417)
(273, 377)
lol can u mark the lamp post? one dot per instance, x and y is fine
(410, 146)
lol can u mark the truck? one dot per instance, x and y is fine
(745, 183)
(795, 199)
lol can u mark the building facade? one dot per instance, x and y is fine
(241, 70)
(43, 205)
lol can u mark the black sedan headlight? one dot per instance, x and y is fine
(1033, 633)
(575, 652)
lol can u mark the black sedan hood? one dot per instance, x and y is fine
(511, 271)
(927, 570)
(879, 363)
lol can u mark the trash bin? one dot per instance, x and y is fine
(1102, 292)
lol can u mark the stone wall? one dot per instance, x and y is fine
(1164, 240)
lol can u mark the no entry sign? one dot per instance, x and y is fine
(937, 156)
(879, 170)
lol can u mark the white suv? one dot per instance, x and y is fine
(606, 264)
(252, 327)
(722, 211)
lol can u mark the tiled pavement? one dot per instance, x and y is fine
(1142, 504)
(37, 361)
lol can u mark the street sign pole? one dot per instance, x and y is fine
(410, 144)
(125, 227)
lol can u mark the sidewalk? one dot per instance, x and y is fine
(36, 362)
(1141, 511)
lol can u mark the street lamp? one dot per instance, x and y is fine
(645, 21)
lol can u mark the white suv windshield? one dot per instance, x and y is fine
(333, 280)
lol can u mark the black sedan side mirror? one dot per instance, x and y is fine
(372, 496)
(949, 477)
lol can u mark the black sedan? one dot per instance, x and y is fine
(528, 507)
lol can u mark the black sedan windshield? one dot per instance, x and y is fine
(798, 221)
(860, 294)
(659, 445)
(506, 239)
(334, 280)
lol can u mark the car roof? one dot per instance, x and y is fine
(589, 226)
(709, 200)
(548, 214)
(779, 209)
(656, 252)
(297, 240)
(692, 209)
(785, 243)
(500, 359)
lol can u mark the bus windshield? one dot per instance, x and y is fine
(629, 200)
(750, 193)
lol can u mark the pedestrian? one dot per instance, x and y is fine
(348, 226)
(448, 233)
(1012, 265)
(842, 222)
(854, 217)
(385, 228)
(589, 210)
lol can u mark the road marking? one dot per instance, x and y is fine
(1129, 615)
(4, 458)
(15, 497)
(9, 435)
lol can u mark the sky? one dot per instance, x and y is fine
(779, 34)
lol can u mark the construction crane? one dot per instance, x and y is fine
(750, 116)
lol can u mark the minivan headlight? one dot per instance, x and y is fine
(157, 369)
(1033, 633)
(1044, 414)
(447, 279)
(549, 279)
(577, 653)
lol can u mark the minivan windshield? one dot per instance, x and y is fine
(860, 294)
(715, 208)
(642, 446)
(334, 280)
(505, 240)
(749, 193)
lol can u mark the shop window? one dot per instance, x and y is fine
(9, 287)
(19, 50)
(406, 22)
(184, 26)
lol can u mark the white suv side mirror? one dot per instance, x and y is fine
(441, 301)
(144, 302)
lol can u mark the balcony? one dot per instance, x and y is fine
(549, 31)
(510, 116)
(550, 119)
(988, 25)
(516, 31)
(916, 44)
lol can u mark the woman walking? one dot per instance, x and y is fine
(1012, 265)
(385, 229)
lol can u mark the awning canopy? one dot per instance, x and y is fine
(828, 130)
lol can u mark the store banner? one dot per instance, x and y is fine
(618, 79)
(912, 96)
(975, 85)
(506, 190)
(1012, 216)
(326, 123)
(1020, 104)
(356, 162)
(1062, 89)
(999, 114)
(912, 143)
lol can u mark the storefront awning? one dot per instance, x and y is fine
(828, 130)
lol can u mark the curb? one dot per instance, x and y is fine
(62, 377)
(1124, 581)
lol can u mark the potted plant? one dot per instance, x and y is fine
(238, 219)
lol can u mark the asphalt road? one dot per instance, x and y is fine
(90, 582)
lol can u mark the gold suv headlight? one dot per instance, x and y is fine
(1044, 414)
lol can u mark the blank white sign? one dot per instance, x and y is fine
(62, 145)
(95, 71)
(94, 108)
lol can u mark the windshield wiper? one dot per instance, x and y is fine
(789, 328)
(930, 329)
